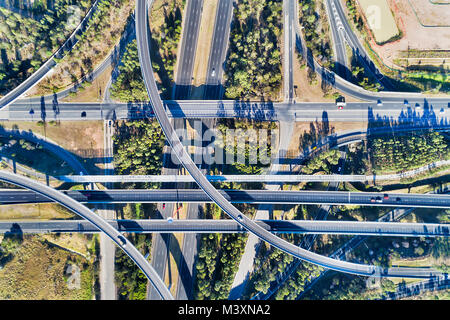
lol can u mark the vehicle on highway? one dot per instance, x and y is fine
(123, 241)
(442, 111)
(372, 199)
(109, 123)
(213, 73)
(379, 103)
(83, 114)
(340, 103)
(417, 106)
(164, 205)
(240, 217)
(406, 103)
(386, 196)
(169, 220)
(398, 199)
(378, 200)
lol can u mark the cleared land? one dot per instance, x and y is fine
(37, 272)
(82, 138)
(380, 19)
(415, 36)
(44, 211)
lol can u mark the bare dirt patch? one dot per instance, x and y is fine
(71, 135)
(82, 138)
(35, 211)
(414, 34)
(338, 127)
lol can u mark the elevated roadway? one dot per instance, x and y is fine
(239, 196)
(230, 226)
(96, 221)
(142, 35)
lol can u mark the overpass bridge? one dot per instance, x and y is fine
(230, 226)
(237, 196)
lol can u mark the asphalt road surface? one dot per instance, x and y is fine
(194, 226)
(186, 61)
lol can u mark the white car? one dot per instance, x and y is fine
(213, 73)
(417, 106)
(169, 220)
(379, 103)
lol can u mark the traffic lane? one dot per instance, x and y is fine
(191, 226)
(239, 196)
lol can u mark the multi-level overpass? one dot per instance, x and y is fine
(238, 196)
(230, 226)
(142, 34)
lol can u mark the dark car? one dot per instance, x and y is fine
(122, 240)
(398, 199)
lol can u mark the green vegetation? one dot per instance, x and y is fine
(129, 85)
(218, 260)
(316, 31)
(130, 280)
(361, 77)
(138, 146)
(10, 244)
(253, 67)
(324, 161)
(441, 248)
(276, 262)
(404, 152)
(295, 284)
(106, 25)
(38, 271)
(165, 41)
(340, 286)
(355, 15)
(26, 43)
(252, 147)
